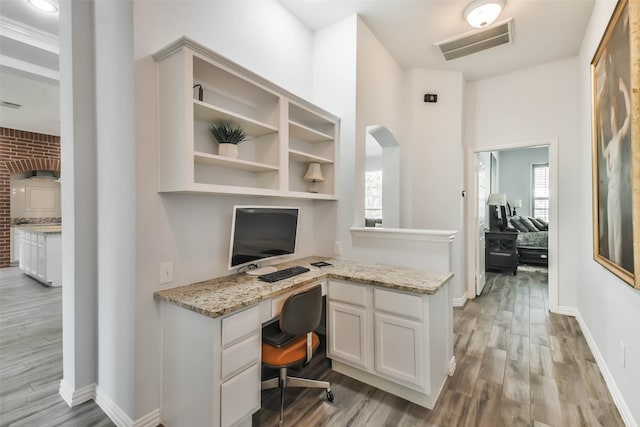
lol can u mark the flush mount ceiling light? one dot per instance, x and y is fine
(44, 5)
(481, 13)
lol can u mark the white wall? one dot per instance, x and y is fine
(116, 172)
(193, 231)
(379, 82)
(515, 176)
(435, 155)
(609, 308)
(259, 35)
(536, 104)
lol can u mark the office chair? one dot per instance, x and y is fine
(294, 343)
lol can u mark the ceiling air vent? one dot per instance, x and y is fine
(477, 41)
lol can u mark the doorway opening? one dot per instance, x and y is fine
(513, 219)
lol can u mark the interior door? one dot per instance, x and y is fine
(483, 184)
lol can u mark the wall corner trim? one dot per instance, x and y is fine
(113, 411)
(75, 397)
(618, 398)
(152, 419)
(460, 301)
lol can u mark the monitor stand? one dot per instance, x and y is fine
(262, 270)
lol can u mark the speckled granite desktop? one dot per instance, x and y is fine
(224, 295)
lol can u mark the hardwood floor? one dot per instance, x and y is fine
(517, 365)
(31, 357)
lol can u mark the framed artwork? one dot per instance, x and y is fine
(615, 78)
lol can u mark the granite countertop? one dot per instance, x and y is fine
(224, 295)
(37, 228)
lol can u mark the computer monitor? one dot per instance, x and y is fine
(261, 233)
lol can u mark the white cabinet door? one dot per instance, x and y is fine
(40, 265)
(25, 251)
(348, 334)
(399, 350)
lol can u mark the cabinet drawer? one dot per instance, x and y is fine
(240, 325)
(398, 303)
(239, 356)
(348, 292)
(240, 396)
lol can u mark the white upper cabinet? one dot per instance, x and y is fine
(285, 133)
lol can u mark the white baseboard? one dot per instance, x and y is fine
(460, 301)
(152, 419)
(567, 311)
(113, 411)
(452, 366)
(75, 397)
(625, 412)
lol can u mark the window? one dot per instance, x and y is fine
(540, 191)
(373, 195)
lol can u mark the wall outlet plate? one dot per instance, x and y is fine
(166, 272)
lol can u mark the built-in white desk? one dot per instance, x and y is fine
(391, 327)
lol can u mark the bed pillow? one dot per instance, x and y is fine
(518, 225)
(544, 223)
(525, 221)
(539, 225)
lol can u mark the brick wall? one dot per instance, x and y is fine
(21, 151)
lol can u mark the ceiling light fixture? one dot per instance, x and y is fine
(481, 13)
(44, 5)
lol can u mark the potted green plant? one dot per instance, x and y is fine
(229, 135)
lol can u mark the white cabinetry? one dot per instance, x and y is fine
(399, 337)
(211, 367)
(386, 338)
(286, 133)
(14, 252)
(349, 323)
(41, 256)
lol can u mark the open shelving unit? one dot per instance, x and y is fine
(285, 132)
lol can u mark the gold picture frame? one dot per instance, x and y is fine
(615, 81)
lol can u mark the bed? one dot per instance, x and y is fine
(532, 242)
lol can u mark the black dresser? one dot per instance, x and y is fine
(501, 252)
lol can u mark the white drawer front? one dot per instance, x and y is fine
(348, 292)
(240, 396)
(240, 325)
(239, 356)
(398, 303)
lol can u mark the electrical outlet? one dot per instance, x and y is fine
(622, 354)
(338, 248)
(166, 272)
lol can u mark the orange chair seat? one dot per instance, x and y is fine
(292, 353)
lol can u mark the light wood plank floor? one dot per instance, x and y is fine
(31, 357)
(517, 365)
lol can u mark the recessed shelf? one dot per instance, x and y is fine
(227, 162)
(299, 156)
(298, 130)
(209, 113)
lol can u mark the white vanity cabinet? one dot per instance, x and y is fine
(388, 339)
(211, 367)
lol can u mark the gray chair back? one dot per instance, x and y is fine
(301, 312)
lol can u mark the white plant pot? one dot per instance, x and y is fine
(228, 150)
